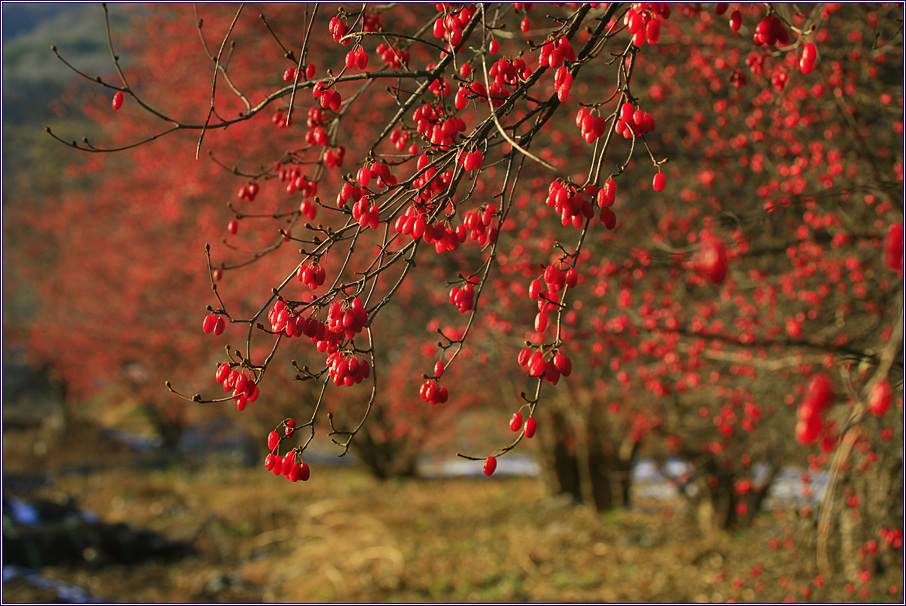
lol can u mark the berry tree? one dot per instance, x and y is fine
(675, 229)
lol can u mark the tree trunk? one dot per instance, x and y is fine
(580, 459)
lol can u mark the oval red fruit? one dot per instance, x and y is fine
(516, 421)
(530, 426)
(273, 440)
(118, 99)
(659, 182)
(490, 465)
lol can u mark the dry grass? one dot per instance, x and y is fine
(344, 536)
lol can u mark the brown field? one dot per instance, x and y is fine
(344, 536)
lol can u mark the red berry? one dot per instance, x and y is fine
(530, 426)
(490, 465)
(273, 440)
(210, 322)
(563, 364)
(219, 326)
(516, 421)
(659, 182)
(290, 428)
(607, 194)
(653, 31)
(222, 372)
(809, 52)
(233, 226)
(288, 461)
(541, 322)
(118, 99)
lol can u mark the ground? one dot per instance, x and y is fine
(344, 536)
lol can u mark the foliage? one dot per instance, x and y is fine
(662, 223)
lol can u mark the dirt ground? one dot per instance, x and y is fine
(344, 536)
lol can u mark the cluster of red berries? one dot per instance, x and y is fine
(529, 427)
(464, 298)
(392, 56)
(326, 97)
(338, 28)
(296, 181)
(273, 438)
(634, 122)
(366, 213)
(557, 53)
(441, 130)
(570, 203)
(308, 209)
(347, 369)
(347, 317)
(819, 395)
(439, 86)
(287, 466)
(770, 31)
(563, 83)
(642, 23)
(400, 138)
(349, 192)
(432, 393)
(317, 136)
(213, 324)
(283, 321)
(449, 26)
(472, 160)
(477, 90)
(248, 192)
(357, 57)
(550, 369)
(312, 275)
(509, 71)
(544, 290)
(414, 224)
(281, 120)
(591, 127)
(333, 157)
(379, 171)
(244, 388)
(290, 74)
(479, 224)
(430, 183)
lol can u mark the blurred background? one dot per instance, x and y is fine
(116, 490)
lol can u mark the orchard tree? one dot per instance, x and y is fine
(676, 229)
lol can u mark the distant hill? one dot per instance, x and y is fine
(32, 76)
